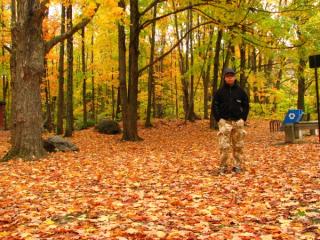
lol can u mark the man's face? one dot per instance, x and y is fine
(230, 78)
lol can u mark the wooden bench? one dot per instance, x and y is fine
(293, 132)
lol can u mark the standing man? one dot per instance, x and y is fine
(230, 109)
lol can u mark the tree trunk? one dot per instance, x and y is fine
(131, 131)
(191, 114)
(27, 60)
(60, 114)
(69, 115)
(13, 59)
(118, 110)
(100, 100)
(84, 83)
(48, 123)
(150, 77)
(278, 83)
(268, 75)
(206, 78)
(177, 96)
(301, 76)
(226, 62)
(301, 83)
(243, 78)
(260, 62)
(27, 67)
(113, 102)
(122, 72)
(182, 66)
(254, 69)
(215, 73)
(93, 109)
(5, 87)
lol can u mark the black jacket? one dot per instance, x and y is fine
(230, 103)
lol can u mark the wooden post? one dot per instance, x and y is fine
(289, 133)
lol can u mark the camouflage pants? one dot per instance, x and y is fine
(231, 136)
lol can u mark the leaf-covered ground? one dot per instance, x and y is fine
(165, 187)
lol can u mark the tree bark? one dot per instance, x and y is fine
(69, 115)
(254, 69)
(151, 71)
(84, 83)
(93, 100)
(131, 131)
(60, 114)
(113, 102)
(183, 66)
(301, 83)
(301, 76)
(226, 62)
(243, 78)
(206, 77)
(27, 62)
(191, 114)
(48, 124)
(28, 52)
(215, 73)
(118, 110)
(122, 72)
(5, 88)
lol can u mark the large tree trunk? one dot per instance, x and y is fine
(131, 131)
(84, 83)
(122, 72)
(60, 114)
(28, 68)
(69, 115)
(150, 77)
(28, 52)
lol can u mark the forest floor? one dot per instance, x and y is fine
(164, 187)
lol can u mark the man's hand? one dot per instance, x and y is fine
(240, 123)
(221, 122)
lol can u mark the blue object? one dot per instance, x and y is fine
(293, 116)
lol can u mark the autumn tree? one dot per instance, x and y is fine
(28, 52)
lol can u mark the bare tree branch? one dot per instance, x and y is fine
(55, 40)
(174, 46)
(297, 9)
(270, 47)
(151, 6)
(150, 21)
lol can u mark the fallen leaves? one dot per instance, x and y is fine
(163, 188)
